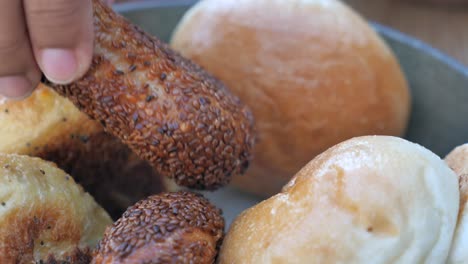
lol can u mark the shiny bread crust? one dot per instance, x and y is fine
(168, 110)
(180, 227)
(313, 72)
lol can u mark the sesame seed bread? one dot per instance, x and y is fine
(165, 108)
(380, 200)
(181, 227)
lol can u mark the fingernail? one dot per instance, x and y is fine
(15, 87)
(60, 66)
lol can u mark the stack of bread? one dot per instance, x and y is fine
(299, 101)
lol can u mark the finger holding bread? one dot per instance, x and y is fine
(168, 110)
(299, 102)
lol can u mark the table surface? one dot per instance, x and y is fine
(443, 26)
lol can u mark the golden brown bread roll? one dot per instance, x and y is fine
(380, 200)
(45, 217)
(313, 72)
(168, 110)
(49, 126)
(181, 227)
(458, 161)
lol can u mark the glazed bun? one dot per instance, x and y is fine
(458, 161)
(313, 72)
(49, 126)
(367, 200)
(45, 217)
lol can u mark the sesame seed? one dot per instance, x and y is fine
(149, 98)
(155, 219)
(84, 139)
(194, 107)
(118, 72)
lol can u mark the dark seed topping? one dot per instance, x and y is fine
(165, 220)
(84, 139)
(186, 94)
(149, 98)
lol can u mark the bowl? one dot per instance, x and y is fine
(439, 87)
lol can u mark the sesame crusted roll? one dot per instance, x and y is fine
(168, 110)
(180, 227)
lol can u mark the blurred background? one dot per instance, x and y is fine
(441, 23)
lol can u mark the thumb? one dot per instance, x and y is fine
(61, 34)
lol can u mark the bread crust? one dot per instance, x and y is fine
(180, 227)
(366, 200)
(50, 127)
(168, 110)
(457, 160)
(313, 72)
(45, 217)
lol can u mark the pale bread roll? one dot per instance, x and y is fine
(49, 126)
(379, 200)
(458, 161)
(45, 217)
(313, 72)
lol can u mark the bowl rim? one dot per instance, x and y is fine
(380, 28)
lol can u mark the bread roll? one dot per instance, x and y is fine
(458, 161)
(313, 72)
(45, 217)
(367, 200)
(49, 126)
(165, 108)
(181, 227)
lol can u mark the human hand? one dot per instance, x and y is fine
(54, 37)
